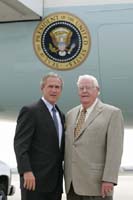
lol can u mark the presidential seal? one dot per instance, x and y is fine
(61, 41)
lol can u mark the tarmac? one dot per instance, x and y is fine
(123, 191)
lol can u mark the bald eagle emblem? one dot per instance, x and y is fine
(61, 39)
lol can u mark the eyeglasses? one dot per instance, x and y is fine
(87, 88)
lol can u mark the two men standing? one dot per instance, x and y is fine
(93, 145)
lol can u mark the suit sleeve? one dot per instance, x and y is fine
(114, 147)
(23, 138)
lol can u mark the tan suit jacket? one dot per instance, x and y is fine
(95, 155)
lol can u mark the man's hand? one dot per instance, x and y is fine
(106, 188)
(29, 181)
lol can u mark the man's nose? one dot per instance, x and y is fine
(54, 89)
(84, 89)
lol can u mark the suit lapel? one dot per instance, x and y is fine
(44, 112)
(75, 117)
(95, 112)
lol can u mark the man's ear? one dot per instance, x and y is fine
(42, 86)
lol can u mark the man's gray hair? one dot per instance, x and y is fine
(51, 74)
(89, 77)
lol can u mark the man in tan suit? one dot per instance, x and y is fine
(92, 151)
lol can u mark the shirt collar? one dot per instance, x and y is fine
(49, 105)
(91, 107)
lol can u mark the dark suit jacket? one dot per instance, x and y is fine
(37, 148)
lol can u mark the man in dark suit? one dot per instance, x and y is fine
(39, 144)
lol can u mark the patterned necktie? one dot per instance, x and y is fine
(80, 122)
(55, 119)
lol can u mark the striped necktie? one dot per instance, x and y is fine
(80, 122)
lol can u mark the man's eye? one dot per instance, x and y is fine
(57, 87)
(51, 86)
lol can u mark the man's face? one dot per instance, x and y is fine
(52, 89)
(87, 92)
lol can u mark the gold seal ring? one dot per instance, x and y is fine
(62, 41)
